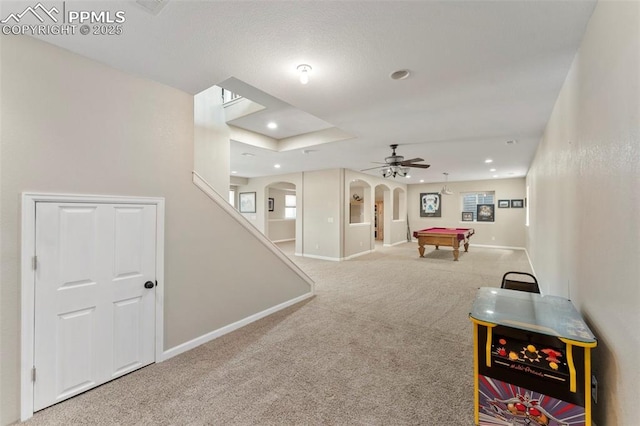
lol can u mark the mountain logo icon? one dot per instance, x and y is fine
(38, 11)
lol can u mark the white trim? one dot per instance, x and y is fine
(497, 247)
(314, 256)
(362, 253)
(28, 276)
(177, 350)
(242, 220)
(283, 241)
(395, 244)
(533, 271)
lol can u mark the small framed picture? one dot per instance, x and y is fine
(485, 213)
(271, 202)
(247, 202)
(504, 204)
(517, 204)
(467, 216)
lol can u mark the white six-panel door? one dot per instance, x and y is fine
(94, 317)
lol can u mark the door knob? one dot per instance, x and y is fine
(149, 284)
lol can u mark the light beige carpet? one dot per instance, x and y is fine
(386, 341)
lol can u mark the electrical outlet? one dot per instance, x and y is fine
(594, 389)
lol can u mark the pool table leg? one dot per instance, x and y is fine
(466, 246)
(421, 250)
(456, 253)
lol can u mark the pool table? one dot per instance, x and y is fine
(450, 237)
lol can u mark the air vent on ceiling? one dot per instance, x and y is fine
(152, 6)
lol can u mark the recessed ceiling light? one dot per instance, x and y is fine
(408, 176)
(488, 160)
(421, 180)
(400, 74)
(272, 125)
(248, 154)
(277, 166)
(495, 176)
(233, 172)
(492, 170)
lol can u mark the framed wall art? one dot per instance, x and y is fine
(247, 201)
(430, 205)
(486, 213)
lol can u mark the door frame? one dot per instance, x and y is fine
(28, 276)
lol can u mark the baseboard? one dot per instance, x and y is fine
(395, 244)
(533, 271)
(313, 256)
(497, 247)
(184, 347)
(362, 253)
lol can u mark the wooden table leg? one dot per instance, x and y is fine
(456, 253)
(466, 246)
(421, 250)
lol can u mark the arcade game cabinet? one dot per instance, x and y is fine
(532, 360)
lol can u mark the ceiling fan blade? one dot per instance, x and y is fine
(419, 166)
(371, 168)
(413, 160)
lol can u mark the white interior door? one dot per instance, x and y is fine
(94, 316)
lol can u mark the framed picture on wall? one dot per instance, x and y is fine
(504, 204)
(485, 213)
(517, 204)
(271, 203)
(430, 205)
(467, 216)
(247, 201)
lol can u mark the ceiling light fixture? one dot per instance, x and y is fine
(492, 170)
(393, 171)
(277, 166)
(304, 70)
(445, 190)
(488, 160)
(272, 125)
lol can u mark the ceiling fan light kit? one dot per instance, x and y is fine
(396, 165)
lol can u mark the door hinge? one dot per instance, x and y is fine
(33, 374)
(35, 262)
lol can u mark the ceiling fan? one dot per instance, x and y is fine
(396, 165)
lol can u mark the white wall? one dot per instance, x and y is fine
(261, 186)
(211, 140)
(359, 238)
(72, 125)
(279, 228)
(323, 200)
(508, 230)
(585, 202)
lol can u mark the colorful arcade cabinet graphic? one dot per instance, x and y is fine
(505, 404)
(532, 360)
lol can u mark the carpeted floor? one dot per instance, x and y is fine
(386, 341)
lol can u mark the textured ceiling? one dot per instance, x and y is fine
(482, 72)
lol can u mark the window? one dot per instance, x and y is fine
(470, 201)
(232, 197)
(290, 206)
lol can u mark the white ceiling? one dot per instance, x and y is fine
(482, 73)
